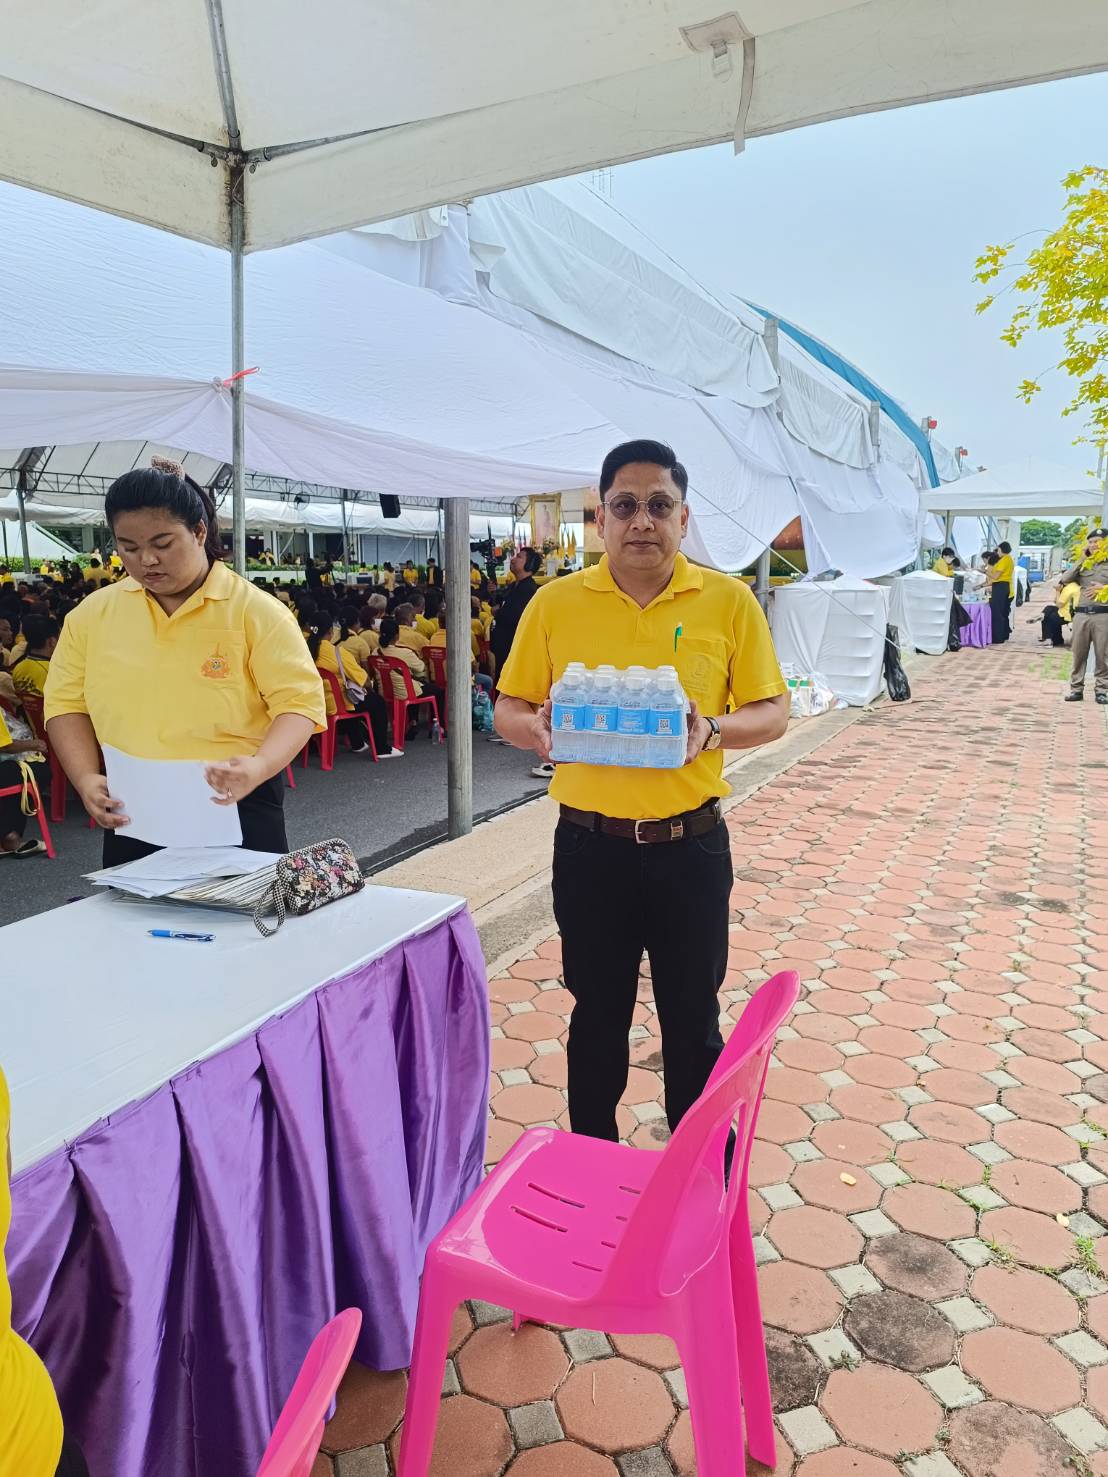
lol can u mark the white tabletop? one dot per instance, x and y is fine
(94, 1013)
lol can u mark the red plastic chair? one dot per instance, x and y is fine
(591, 1234)
(435, 657)
(328, 737)
(33, 707)
(385, 667)
(296, 1438)
(36, 813)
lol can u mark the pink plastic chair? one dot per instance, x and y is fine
(294, 1445)
(578, 1231)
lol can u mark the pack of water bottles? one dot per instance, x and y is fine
(632, 717)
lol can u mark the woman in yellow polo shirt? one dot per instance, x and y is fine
(181, 660)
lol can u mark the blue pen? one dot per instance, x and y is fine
(196, 938)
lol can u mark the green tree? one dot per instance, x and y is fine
(1062, 286)
(1072, 529)
(1040, 531)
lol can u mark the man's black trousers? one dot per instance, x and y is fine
(615, 900)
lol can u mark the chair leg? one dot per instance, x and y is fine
(710, 1359)
(45, 829)
(369, 736)
(761, 1438)
(327, 746)
(290, 777)
(421, 1408)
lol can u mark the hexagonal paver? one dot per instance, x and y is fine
(875, 1070)
(470, 1437)
(929, 1211)
(653, 1349)
(1027, 1300)
(1021, 1368)
(822, 1183)
(856, 1143)
(1033, 1239)
(613, 1404)
(950, 1085)
(916, 1265)
(818, 1238)
(938, 1163)
(991, 1439)
(795, 1374)
(368, 1409)
(528, 1103)
(797, 1298)
(782, 1123)
(903, 1331)
(909, 1415)
(1034, 1186)
(950, 1122)
(1038, 1141)
(868, 1104)
(845, 1461)
(561, 1458)
(512, 1368)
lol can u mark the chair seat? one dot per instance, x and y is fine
(552, 1212)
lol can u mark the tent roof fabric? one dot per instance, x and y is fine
(1018, 489)
(361, 110)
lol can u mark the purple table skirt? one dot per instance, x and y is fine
(979, 632)
(173, 1264)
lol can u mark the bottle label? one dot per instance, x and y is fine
(604, 718)
(566, 717)
(666, 722)
(632, 720)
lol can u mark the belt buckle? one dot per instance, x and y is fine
(646, 821)
(676, 829)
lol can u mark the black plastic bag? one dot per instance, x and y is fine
(896, 678)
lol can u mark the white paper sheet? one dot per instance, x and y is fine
(169, 802)
(166, 871)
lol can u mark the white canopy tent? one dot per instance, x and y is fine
(1030, 487)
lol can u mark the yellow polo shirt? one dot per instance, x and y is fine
(29, 676)
(941, 566)
(204, 683)
(1005, 569)
(411, 638)
(426, 627)
(724, 657)
(30, 1421)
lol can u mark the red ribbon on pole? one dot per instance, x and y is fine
(241, 375)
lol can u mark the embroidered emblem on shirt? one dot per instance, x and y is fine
(216, 666)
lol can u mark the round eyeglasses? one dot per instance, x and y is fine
(659, 506)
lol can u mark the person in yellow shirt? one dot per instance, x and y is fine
(945, 563)
(183, 659)
(29, 674)
(358, 694)
(351, 636)
(1000, 594)
(96, 574)
(12, 648)
(6, 577)
(409, 574)
(392, 649)
(33, 1442)
(17, 740)
(115, 563)
(642, 857)
(411, 638)
(424, 624)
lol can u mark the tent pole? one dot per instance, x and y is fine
(459, 733)
(948, 531)
(761, 579)
(237, 182)
(21, 484)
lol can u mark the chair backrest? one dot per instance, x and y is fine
(696, 1150)
(435, 657)
(331, 681)
(389, 666)
(33, 707)
(294, 1445)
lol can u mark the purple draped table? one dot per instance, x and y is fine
(979, 632)
(172, 1260)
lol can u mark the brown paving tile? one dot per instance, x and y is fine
(874, 1070)
(969, 1089)
(1021, 1368)
(936, 1163)
(534, 1025)
(845, 1461)
(552, 1069)
(562, 1459)
(471, 1437)
(857, 1143)
(965, 1056)
(969, 1028)
(528, 1103)
(818, 1238)
(783, 1123)
(910, 1416)
(1032, 1071)
(536, 969)
(653, 1349)
(824, 1027)
(786, 1085)
(1035, 1186)
(614, 1405)
(502, 1136)
(797, 1298)
(928, 1211)
(1027, 1300)
(1034, 1240)
(1036, 1106)
(507, 1054)
(769, 1164)
(892, 1041)
(809, 1056)
(868, 1104)
(461, 1326)
(509, 1368)
(821, 1182)
(1038, 1141)
(916, 1265)
(1048, 1045)
(368, 1409)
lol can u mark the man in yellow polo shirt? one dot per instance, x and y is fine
(642, 859)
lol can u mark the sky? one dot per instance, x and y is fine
(865, 231)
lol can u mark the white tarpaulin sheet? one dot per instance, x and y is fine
(837, 628)
(919, 606)
(111, 102)
(1025, 488)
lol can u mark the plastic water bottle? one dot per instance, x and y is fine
(666, 724)
(604, 716)
(569, 715)
(633, 716)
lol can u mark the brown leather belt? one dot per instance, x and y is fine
(648, 832)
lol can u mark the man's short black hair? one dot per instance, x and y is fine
(948, 552)
(1005, 547)
(532, 559)
(657, 453)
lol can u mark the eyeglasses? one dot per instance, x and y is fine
(623, 506)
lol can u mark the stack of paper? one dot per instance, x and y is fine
(167, 871)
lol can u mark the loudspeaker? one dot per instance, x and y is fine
(390, 506)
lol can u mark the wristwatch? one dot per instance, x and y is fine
(715, 738)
